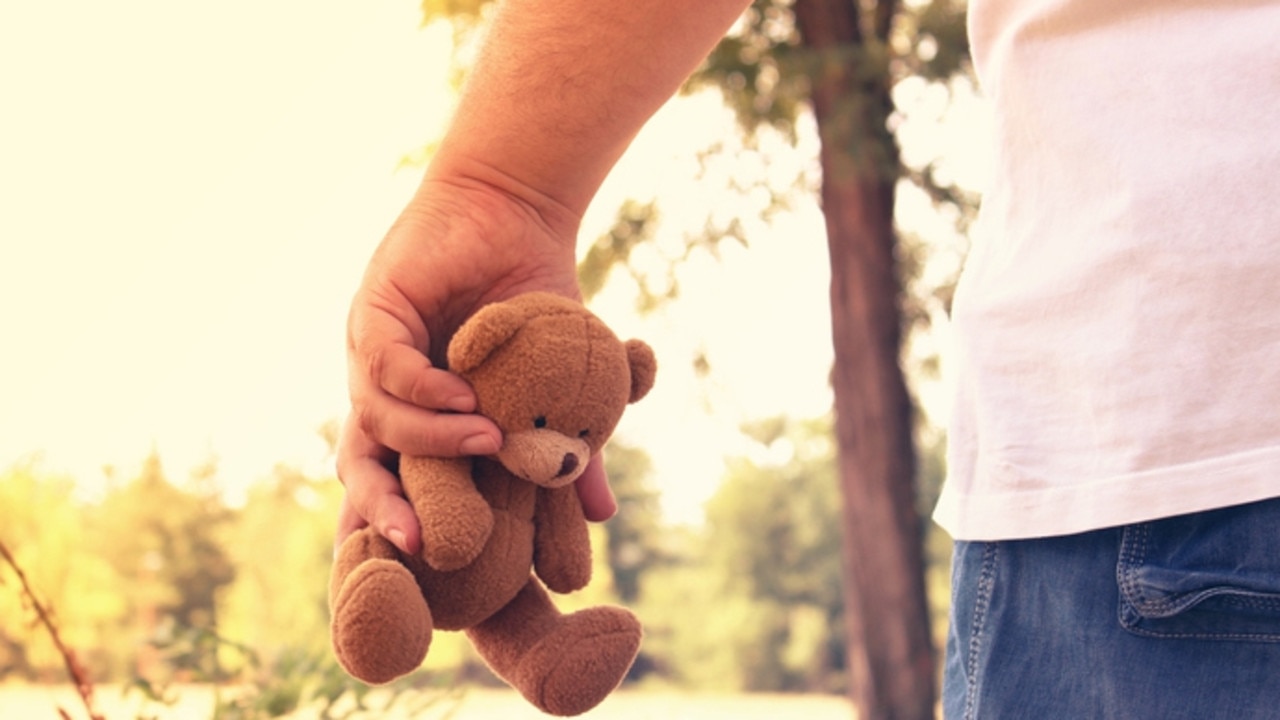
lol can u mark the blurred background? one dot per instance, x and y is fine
(188, 194)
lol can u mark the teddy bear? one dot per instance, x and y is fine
(499, 531)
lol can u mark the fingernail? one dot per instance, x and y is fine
(397, 538)
(478, 445)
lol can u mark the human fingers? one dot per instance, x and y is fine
(407, 374)
(399, 400)
(411, 430)
(349, 521)
(598, 502)
(373, 496)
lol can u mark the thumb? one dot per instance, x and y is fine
(598, 502)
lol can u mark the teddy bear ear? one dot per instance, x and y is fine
(483, 333)
(643, 368)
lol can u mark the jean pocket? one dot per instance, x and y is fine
(1213, 575)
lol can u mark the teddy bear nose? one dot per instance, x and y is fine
(568, 465)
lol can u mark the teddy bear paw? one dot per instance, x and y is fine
(575, 667)
(381, 624)
(454, 541)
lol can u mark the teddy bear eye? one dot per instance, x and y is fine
(583, 433)
(540, 421)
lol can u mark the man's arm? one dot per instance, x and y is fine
(561, 87)
(558, 91)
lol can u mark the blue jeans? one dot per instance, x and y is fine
(1177, 618)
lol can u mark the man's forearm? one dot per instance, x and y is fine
(562, 86)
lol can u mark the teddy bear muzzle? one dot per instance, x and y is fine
(544, 457)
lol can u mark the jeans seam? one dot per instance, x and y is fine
(1210, 637)
(986, 585)
(1133, 540)
(1253, 602)
(1134, 543)
(1241, 600)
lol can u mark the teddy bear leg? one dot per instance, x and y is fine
(563, 664)
(381, 625)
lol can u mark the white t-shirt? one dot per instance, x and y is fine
(1118, 320)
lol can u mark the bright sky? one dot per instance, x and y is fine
(188, 193)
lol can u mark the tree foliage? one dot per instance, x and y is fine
(775, 526)
(168, 543)
(753, 601)
(152, 578)
(148, 576)
(46, 533)
(282, 548)
(750, 602)
(765, 73)
(633, 538)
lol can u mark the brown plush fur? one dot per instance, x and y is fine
(556, 380)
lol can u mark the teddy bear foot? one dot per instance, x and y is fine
(578, 664)
(381, 624)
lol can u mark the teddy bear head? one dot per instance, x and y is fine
(553, 377)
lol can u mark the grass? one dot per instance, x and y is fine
(196, 702)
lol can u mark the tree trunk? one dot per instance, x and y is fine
(891, 655)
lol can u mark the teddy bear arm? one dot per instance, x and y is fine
(562, 546)
(456, 520)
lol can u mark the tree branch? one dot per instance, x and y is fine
(79, 676)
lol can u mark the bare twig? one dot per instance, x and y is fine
(79, 676)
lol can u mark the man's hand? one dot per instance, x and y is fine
(468, 238)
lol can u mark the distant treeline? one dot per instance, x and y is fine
(161, 580)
